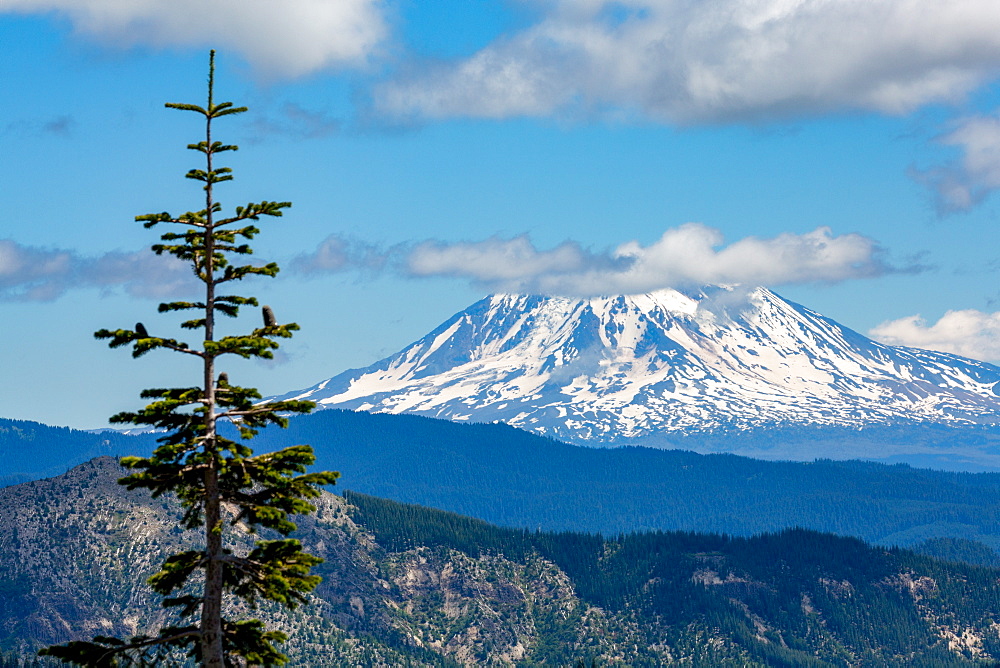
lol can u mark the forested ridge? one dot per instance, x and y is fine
(796, 576)
(410, 585)
(31, 450)
(512, 478)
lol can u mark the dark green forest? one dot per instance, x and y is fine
(770, 575)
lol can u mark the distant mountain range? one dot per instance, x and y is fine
(654, 369)
(406, 585)
(31, 450)
(514, 478)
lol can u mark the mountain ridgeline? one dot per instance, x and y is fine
(513, 478)
(407, 585)
(652, 369)
(31, 450)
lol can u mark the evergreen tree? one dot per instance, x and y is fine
(219, 482)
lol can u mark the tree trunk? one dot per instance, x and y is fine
(213, 655)
(211, 609)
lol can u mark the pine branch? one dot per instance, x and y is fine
(142, 344)
(105, 652)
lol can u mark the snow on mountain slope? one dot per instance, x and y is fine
(618, 369)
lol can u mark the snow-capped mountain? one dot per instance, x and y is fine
(624, 369)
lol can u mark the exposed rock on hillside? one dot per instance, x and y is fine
(414, 586)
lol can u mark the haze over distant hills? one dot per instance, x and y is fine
(656, 369)
(514, 478)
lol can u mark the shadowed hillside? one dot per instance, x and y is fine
(407, 585)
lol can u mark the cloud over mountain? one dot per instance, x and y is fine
(692, 254)
(289, 38)
(721, 61)
(969, 333)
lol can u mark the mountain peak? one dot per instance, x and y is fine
(630, 368)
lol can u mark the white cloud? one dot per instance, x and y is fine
(140, 273)
(692, 254)
(962, 184)
(969, 333)
(288, 38)
(501, 261)
(724, 60)
(337, 253)
(37, 274)
(33, 273)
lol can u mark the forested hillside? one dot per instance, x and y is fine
(407, 585)
(30, 450)
(512, 478)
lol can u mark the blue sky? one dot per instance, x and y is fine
(845, 153)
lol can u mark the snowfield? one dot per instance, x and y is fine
(611, 369)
